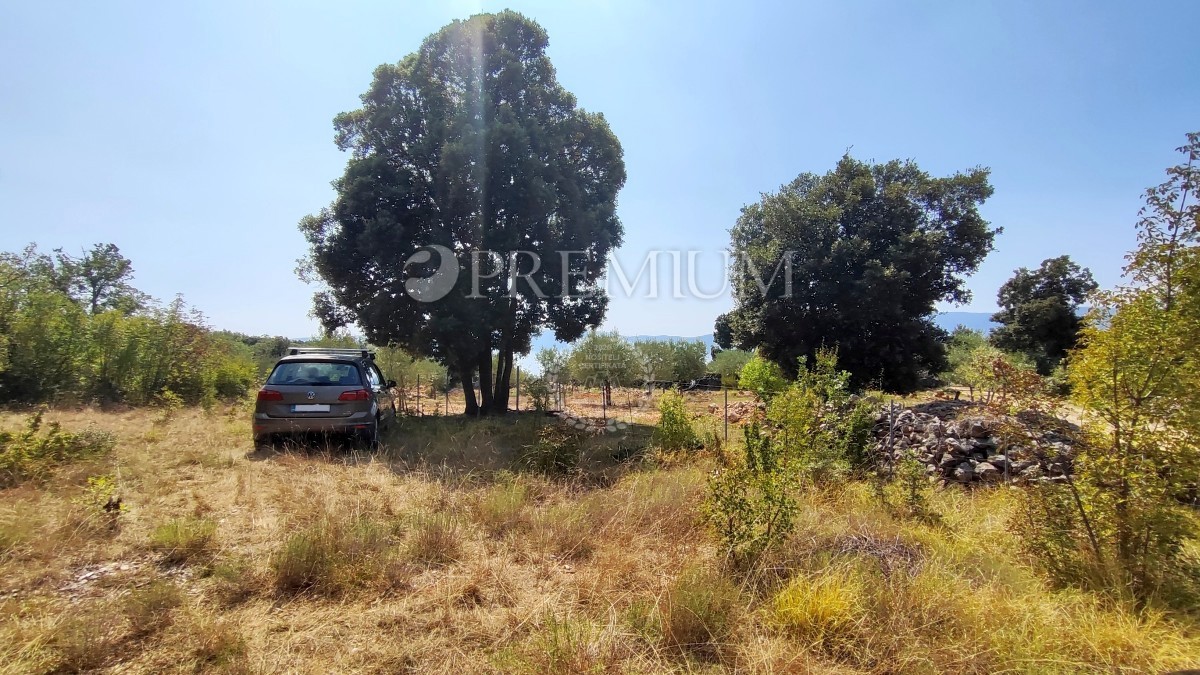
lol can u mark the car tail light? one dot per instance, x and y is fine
(269, 395)
(355, 395)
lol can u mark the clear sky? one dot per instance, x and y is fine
(195, 135)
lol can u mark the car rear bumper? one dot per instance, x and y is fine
(264, 424)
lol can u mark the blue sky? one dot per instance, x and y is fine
(195, 135)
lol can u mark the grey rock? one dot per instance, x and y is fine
(987, 472)
(965, 473)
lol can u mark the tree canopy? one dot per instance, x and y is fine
(469, 149)
(856, 259)
(1040, 311)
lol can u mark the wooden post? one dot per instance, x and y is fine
(518, 388)
(403, 397)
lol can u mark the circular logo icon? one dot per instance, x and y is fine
(310, 395)
(437, 284)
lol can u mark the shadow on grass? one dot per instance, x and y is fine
(459, 447)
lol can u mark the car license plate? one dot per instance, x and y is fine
(310, 408)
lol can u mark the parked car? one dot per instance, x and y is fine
(324, 390)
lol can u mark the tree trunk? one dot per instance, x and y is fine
(503, 383)
(485, 382)
(469, 392)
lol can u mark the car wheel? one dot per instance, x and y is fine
(370, 435)
(264, 442)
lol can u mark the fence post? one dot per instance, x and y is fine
(518, 388)
(726, 390)
(403, 396)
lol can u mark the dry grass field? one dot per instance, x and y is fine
(441, 553)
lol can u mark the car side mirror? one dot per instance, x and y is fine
(391, 384)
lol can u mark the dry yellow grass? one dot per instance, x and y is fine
(433, 556)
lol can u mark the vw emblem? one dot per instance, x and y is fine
(310, 395)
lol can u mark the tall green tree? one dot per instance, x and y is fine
(1039, 313)
(99, 280)
(469, 144)
(856, 259)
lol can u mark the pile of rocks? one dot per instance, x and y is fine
(742, 410)
(971, 448)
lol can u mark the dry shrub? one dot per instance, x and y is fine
(565, 532)
(214, 643)
(503, 508)
(234, 580)
(184, 540)
(148, 609)
(435, 539)
(334, 555)
(700, 612)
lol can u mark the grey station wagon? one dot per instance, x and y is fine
(324, 390)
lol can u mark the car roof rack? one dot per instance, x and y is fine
(340, 351)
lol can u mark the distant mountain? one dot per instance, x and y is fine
(980, 321)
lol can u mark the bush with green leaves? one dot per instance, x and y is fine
(752, 505)
(674, 431)
(821, 425)
(1120, 524)
(34, 453)
(762, 377)
(539, 391)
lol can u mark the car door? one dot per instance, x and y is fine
(383, 395)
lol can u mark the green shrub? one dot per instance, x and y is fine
(556, 451)
(763, 377)
(34, 454)
(184, 540)
(752, 506)
(674, 431)
(538, 389)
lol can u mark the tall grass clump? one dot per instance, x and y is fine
(184, 539)
(335, 555)
(435, 539)
(701, 610)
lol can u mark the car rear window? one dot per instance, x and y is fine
(315, 374)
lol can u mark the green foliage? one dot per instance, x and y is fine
(1120, 524)
(761, 376)
(752, 506)
(34, 453)
(674, 431)
(728, 363)
(66, 336)
(1039, 313)
(539, 391)
(857, 258)
(536, 175)
(822, 427)
(603, 357)
(819, 433)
